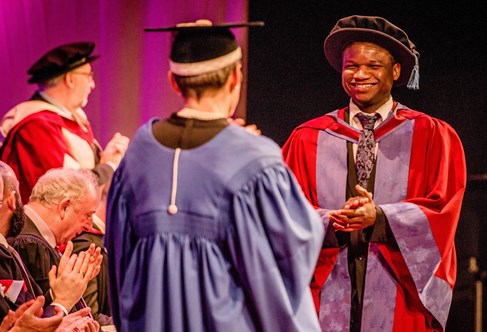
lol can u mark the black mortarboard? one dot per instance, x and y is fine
(60, 60)
(379, 31)
(201, 47)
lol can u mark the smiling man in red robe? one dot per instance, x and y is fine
(388, 259)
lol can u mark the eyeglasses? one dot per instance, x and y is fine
(90, 74)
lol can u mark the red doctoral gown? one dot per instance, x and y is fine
(420, 181)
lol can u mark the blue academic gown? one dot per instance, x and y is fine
(237, 256)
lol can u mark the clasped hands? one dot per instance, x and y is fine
(357, 213)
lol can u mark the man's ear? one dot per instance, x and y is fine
(62, 206)
(11, 201)
(396, 71)
(68, 79)
(172, 81)
(236, 78)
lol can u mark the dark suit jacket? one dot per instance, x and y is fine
(38, 256)
(96, 294)
(10, 271)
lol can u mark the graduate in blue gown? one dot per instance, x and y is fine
(207, 228)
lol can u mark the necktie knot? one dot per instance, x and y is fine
(365, 158)
(367, 120)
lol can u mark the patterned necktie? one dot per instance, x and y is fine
(365, 158)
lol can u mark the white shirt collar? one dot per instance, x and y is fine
(64, 111)
(383, 111)
(3, 241)
(78, 115)
(99, 223)
(41, 225)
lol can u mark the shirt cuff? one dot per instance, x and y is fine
(112, 165)
(380, 232)
(51, 311)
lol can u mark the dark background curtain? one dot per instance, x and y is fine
(290, 82)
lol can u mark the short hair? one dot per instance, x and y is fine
(59, 183)
(51, 82)
(195, 86)
(10, 182)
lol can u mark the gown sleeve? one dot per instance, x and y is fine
(425, 223)
(117, 242)
(276, 243)
(36, 257)
(299, 152)
(8, 279)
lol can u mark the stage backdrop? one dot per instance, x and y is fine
(131, 73)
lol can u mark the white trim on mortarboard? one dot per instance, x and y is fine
(203, 67)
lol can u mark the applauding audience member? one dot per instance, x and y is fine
(61, 206)
(18, 287)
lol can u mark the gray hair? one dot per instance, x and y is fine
(59, 183)
(10, 182)
(51, 82)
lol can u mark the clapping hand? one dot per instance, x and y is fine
(27, 318)
(68, 281)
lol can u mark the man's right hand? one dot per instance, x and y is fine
(68, 281)
(115, 150)
(27, 318)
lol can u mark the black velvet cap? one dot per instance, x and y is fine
(196, 45)
(60, 60)
(201, 47)
(379, 31)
